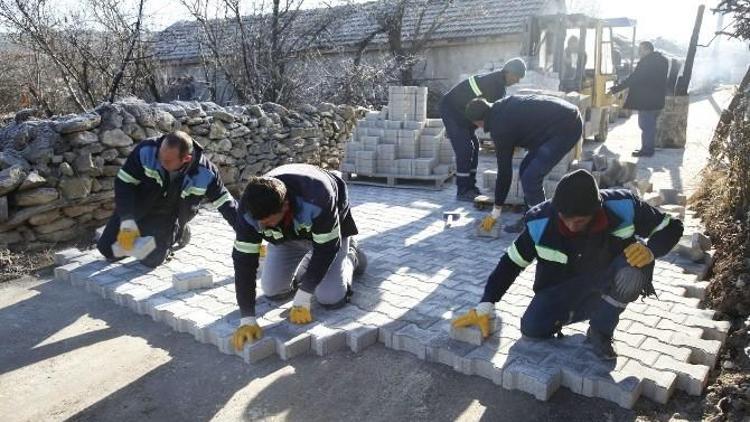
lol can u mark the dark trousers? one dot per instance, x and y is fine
(580, 298)
(540, 161)
(647, 122)
(161, 226)
(465, 145)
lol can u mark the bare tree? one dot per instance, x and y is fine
(408, 26)
(253, 45)
(97, 52)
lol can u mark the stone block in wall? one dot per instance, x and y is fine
(115, 138)
(3, 209)
(78, 123)
(44, 218)
(32, 180)
(84, 164)
(75, 187)
(77, 210)
(38, 196)
(110, 171)
(59, 236)
(101, 213)
(81, 139)
(11, 178)
(57, 225)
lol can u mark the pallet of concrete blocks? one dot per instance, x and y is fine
(445, 152)
(407, 144)
(350, 151)
(370, 143)
(390, 136)
(365, 163)
(424, 166)
(400, 103)
(420, 104)
(429, 146)
(443, 169)
(394, 124)
(386, 159)
(372, 115)
(434, 123)
(405, 167)
(433, 131)
(515, 191)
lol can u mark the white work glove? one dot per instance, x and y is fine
(489, 221)
(300, 313)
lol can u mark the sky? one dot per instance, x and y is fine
(671, 19)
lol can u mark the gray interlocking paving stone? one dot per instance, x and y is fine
(420, 277)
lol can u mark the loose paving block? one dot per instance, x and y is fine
(258, 350)
(534, 379)
(704, 351)
(681, 354)
(290, 341)
(327, 340)
(657, 385)
(361, 337)
(62, 273)
(691, 379)
(653, 199)
(616, 386)
(198, 279)
(412, 339)
(141, 248)
(63, 257)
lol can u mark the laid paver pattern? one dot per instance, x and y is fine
(420, 275)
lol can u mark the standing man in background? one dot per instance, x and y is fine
(647, 90)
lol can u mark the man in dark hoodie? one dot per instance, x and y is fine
(460, 131)
(647, 90)
(158, 191)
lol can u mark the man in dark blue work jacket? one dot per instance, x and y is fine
(591, 261)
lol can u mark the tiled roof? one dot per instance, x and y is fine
(352, 23)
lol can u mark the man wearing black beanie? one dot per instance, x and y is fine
(592, 261)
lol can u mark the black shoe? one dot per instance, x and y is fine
(641, 153)
(358, 256)
(341, 303)
(285, 295)
(601, 344)
(475, 190)
(184, 239)
(466, 196)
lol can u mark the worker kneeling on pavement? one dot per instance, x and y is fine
(303, 212)
(591, 261)
(548, 127)
(461, 132)
(158, 191)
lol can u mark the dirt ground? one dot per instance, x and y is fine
(69, 354)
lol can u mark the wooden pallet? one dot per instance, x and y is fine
(435, 182)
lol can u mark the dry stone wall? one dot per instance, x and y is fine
(57, 176)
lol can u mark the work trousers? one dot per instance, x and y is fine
(585, 297)
(647, 122)
(163, 227)
(557, 141)
(286, 260)
(463, 138)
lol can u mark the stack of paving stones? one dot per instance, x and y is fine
(57, 176)
(400, 142)
(422, 274)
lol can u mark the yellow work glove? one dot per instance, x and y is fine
(489, 221)
(249, 330)
(127, 234)
(300, 313)
(638, 255)
(479, 317)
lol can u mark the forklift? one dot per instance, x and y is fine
(584, 57)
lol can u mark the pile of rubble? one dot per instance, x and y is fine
(57, 176)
